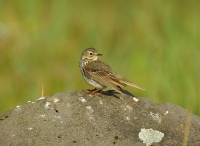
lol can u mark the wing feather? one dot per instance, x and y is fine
(102, 73)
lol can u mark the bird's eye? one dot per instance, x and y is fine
(91, 53)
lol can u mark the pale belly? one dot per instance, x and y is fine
(94, 83)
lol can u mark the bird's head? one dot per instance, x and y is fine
(91, 54)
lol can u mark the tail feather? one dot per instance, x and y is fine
(131, 84)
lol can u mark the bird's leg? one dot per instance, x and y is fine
(94, 90)
(91, 90)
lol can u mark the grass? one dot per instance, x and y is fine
(152, 43)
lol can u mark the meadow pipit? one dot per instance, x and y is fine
(100, 75)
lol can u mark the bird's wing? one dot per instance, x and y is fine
(102, 73)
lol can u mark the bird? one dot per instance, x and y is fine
(99, 74)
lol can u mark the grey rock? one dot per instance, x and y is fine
(76, 118)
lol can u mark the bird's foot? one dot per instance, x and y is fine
(93, 91)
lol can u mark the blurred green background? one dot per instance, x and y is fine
(155, 44)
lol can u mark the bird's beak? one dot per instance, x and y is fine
(99, 54)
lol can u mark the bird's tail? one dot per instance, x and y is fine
(131, 84)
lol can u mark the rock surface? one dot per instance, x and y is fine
(76, 118)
